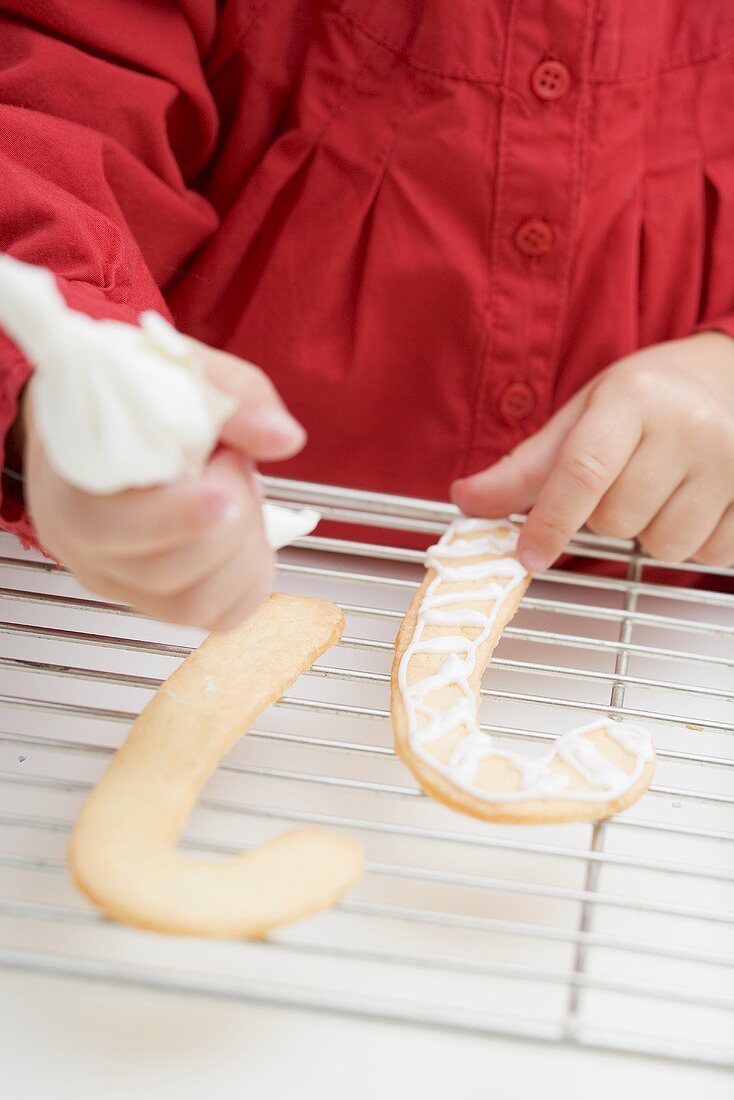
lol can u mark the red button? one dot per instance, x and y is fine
(516, 401)
(534, 237)
(550, 80)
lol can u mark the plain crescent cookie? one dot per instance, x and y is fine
(123, 849)
(473, 586)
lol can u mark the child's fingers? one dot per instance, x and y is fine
(718, 549)
(240, 583)
(139, 522)
(513, 483)
(592, 457)
(243, 604)
(261, 427)
(686, 521)
(215, 572)
(166, 572)
(232, 618)
(144, 521)
(651, 476)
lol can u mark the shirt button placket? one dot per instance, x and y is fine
(550, 80)
(533, 237)
(515, 402)
(541, 131)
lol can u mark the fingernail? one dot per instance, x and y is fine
(532, 561)
(230, 513)
(277, 421)
(221, 510)
(459, 487)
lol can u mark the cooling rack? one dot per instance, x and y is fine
(616, 935)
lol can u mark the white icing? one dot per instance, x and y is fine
(462, 616)
(582, 755)
(119, 406)
(284, 525)
(474, 571)
(427, 723)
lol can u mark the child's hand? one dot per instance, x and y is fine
(645, 450)
(191, 552)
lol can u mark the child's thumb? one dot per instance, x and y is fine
(261, 427)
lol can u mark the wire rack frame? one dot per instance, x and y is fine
(607, 616)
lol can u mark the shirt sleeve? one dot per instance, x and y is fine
(105, 119)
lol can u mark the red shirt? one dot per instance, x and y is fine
(430, 221)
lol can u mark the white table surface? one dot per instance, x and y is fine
(64, 1039)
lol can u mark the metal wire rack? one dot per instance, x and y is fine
(615, 936)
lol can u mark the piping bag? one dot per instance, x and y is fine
(119, 406)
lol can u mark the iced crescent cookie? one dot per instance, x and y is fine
(123, 849)
(472, 589)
